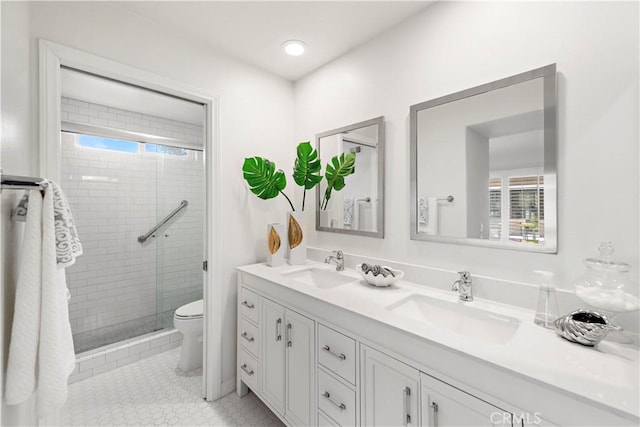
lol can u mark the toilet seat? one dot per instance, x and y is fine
(193, 310)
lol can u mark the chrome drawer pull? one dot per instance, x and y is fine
(407, 396)
(244, 368)
(340, 356)
(340, 406)
(247, 337)
(278, 334)
(434, 408)
(246, 304)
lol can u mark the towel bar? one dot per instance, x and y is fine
(14, 182)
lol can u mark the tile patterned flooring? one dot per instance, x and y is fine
(153, 392)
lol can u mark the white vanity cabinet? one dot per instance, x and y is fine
(443, 405)
(287, 362)
(331, 357)
(389, 390)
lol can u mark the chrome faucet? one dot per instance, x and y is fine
(338, 258)
(463, 285)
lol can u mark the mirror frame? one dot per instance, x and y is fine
(379, 122)
(548, 74)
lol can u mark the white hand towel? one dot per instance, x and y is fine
(56, 354)
(25, 332)
(41, 353)
(349, 208)
(68, 246)
(19, 214)
(432, 220)
(423, 211)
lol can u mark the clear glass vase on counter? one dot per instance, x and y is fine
(602, 286)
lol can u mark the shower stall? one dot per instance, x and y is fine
(128, 174)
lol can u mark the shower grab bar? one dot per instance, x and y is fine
(14, 182)
(143, 238)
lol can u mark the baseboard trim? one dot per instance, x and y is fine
(228, 386)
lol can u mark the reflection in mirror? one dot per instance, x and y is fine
(358, 208)
(483, 166)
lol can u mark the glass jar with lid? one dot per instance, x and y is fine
(602, 286)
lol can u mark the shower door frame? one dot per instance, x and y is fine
(53, 56)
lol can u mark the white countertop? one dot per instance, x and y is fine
(607, 373)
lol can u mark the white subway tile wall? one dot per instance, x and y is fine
(117, 196)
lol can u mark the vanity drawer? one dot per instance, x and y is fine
(249, 336)
(337, 352)
(324, 421)
(336, 399)
(248, 369)
(249, 304)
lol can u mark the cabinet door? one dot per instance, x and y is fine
(444, 405)
(299, 338)
(273, 350)
(389, 390)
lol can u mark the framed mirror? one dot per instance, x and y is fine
(484, 165)
(358, 208)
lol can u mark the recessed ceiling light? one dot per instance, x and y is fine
(294, 47)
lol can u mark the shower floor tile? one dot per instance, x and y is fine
(154, 392)
(89, 340)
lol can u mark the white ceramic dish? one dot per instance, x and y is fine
(380, 280)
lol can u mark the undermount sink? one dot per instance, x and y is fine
(320, 278)
(458, 317)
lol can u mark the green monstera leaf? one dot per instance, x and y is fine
(306, 169)
(336, 171)
(264, 180)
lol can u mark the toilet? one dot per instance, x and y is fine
(188, 320)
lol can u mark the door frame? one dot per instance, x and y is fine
(51, 57)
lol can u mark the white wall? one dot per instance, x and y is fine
(453, 46)
(255, 116)
(17, 156)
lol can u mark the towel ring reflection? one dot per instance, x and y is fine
(446, 199)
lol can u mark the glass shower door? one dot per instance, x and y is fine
(180, 242)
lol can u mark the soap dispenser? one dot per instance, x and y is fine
(547, 311)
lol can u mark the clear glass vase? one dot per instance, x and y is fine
(602, 286)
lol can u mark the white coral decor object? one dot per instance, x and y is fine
(379, 279)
